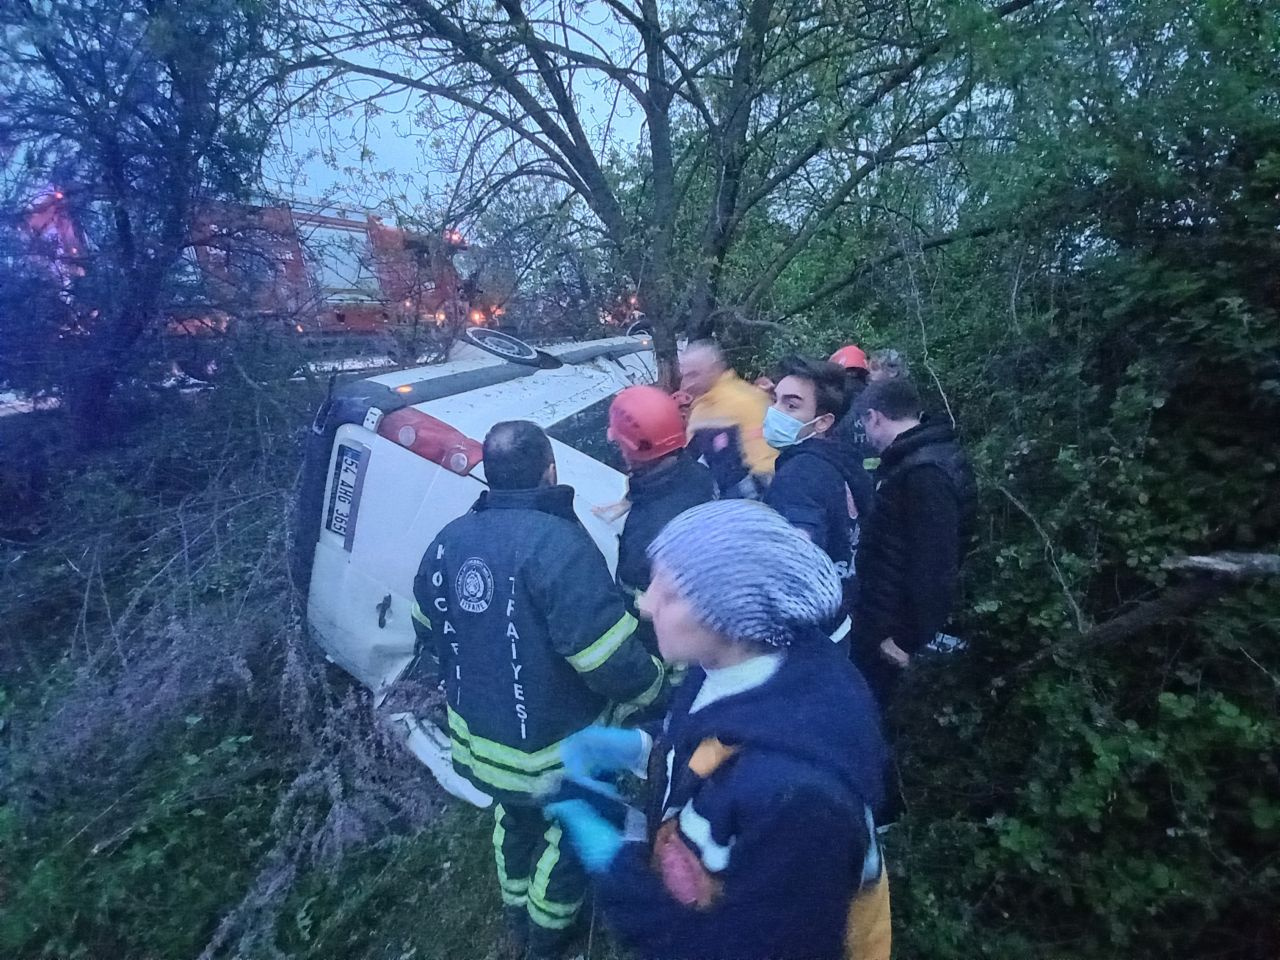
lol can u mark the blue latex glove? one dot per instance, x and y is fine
(595, 839)
(597, 750)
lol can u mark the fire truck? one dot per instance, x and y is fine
(337, 277)
(327, 270)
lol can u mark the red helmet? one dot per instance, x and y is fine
(850, 357)
(645, 423)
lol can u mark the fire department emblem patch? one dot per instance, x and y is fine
(474, 586)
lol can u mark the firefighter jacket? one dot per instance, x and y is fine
(726, 429)
(910, 551)
(533, 637)
(762, 846)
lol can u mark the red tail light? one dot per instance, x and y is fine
(433, 439)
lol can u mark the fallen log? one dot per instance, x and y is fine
(1214, 574)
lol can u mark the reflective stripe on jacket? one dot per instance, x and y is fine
(533, 637)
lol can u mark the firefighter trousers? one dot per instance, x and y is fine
(538, 873)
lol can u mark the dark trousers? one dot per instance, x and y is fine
(539, 874)
(884, 678)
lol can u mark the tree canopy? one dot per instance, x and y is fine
(774, 116)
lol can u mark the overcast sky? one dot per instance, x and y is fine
(365, 152)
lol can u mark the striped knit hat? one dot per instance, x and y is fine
(747, 572)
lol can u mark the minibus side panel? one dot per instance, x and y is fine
(361, 599)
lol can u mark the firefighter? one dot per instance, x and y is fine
(857, 374)
(760, 843)
(726, 422)
(663, 481)
(819, 483)
(534, 643)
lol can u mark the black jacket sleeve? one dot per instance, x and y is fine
(589, 624)
(932, 536)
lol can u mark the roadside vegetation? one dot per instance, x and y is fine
(1079, 262)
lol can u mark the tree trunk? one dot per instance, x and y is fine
(664, 351)
(732, 150)
(88, 405)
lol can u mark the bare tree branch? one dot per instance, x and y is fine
(861, 269)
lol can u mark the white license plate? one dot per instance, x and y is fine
(345, 492)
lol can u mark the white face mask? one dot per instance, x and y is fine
(783, 430)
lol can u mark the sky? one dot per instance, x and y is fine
(372, 157)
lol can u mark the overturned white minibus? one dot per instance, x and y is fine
(392, 458)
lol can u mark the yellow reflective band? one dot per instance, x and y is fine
(513, 890)
(651, 694)
(549, 921)
(633, 705)
(548, 758)
(547, 913)
(513, 899)
(546, 863)
(496, 776)
(558, 909)
(421, 617)
(584, 661)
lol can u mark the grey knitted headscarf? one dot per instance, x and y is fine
(748, 573)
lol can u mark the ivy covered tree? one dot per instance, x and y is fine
(1096, 776)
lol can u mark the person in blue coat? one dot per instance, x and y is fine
(758, 841)
(819, 483)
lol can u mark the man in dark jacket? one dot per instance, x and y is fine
(760, 844)
(534, 643)
(856, 376)
(663, 481)
(819, 484)
(909, 556)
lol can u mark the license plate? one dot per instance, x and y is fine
(344, 496)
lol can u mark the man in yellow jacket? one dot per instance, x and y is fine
(726, 422)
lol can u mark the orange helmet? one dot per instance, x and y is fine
(850, 357)
(645, 423)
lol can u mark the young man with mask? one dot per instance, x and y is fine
(819, 484)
